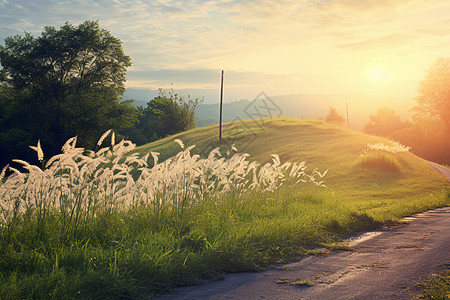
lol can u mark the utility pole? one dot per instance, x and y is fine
(220, 117)
(348, 122)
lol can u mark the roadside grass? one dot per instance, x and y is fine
(437, 287)
(143, 252)
(148, 249)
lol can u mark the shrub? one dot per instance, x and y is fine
(381, 161)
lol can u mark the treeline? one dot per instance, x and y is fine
(69, 82)
(428, 134)
(427, 137)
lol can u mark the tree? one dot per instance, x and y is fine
(434, 94)
(334, 117)
(69, 82)
(384, 122)
(164, 115)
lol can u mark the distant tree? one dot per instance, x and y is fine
(66, 82)
(429, 135)
(434, 94)
(427, 139)
(384, 122)
(164, 115)
(333, 117)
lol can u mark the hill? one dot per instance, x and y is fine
(322, 146)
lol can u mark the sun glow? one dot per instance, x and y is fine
(378, 75)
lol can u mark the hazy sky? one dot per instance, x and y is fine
(280, 47)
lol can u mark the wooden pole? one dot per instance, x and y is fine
(348, 121)
(220, 117)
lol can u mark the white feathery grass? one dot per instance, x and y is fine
(69, 145)
(321, 175)
(179, 142)
(102, 138)
(215, 152)
(102, 151)
(2, 174)
(16, 172)
(155, 157)
(22, 162)
(38, 149)
(276, 159)
(394, 147)
(74, 182)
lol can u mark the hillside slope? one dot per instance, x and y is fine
(322, 146)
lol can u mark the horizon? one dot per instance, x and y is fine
(381, 49)
(294, 105)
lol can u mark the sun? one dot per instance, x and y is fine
(378, 74)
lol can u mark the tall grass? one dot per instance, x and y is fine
(116, 224)
(113, 214)
(77, 182)
(393, 147)
(382, 157)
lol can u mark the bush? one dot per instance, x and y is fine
(381, 161)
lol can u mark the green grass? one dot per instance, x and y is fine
(325, 146)
(437, 287)
(147, 250)
(382, 161)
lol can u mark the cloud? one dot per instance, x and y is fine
(362, 5)
(445, 23)
(265, 43)
(439, 29)
(238, 84)
(434, 32)
(391, 41)
(208, 78)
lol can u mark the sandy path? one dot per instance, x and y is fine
(384, 264)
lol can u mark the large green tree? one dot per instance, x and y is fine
(65, 82)
(434, 94)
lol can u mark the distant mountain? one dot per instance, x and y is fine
(142, 95)
(304, 106)
(309, 106)
(230, 111)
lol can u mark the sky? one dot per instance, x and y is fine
(372, 47)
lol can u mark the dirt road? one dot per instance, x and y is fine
(384, 264)
(441, 169)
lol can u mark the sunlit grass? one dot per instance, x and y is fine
(78, 182)
(381, 161)
(153, 242)
(437, 287)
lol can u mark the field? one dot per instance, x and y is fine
(100, 237)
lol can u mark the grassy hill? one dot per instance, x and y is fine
(104, 250)
(322, 146)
